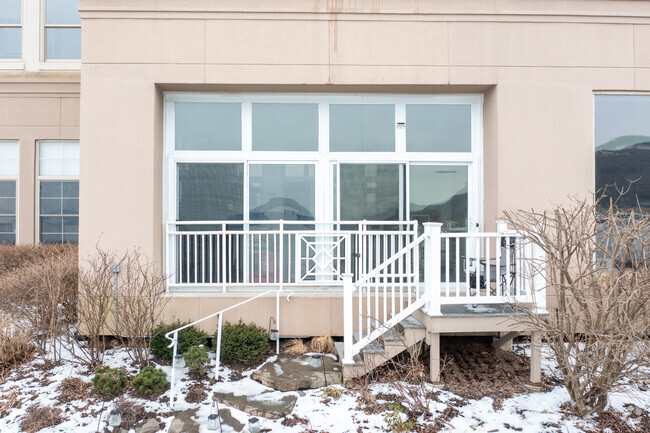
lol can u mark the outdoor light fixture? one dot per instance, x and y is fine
(214, 420)
(315, 362)
(253, 425)
(179, 361)
(114, 418)
(274, 334)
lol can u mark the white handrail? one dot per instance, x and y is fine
(390, 261)
(174, 340)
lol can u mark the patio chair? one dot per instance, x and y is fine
(507, 271)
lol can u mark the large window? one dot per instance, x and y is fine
(258, 157)
(10, 29)
(62, 30)
(622, 135)
(8, 180)
(59, 192)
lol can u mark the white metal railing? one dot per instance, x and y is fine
(459, 268)
(278, 253)
(173, 337)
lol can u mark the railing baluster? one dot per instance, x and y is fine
(457, 239)
(447, 283)
(488, 278)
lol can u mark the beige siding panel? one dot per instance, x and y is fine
(30, 111)
(143, 41)
(473, 75)
(399, 75)
(266, 42)
(70, 112)
(264, 74)
(540, 44)
(642, 46)
(641, 79)
(388, 43)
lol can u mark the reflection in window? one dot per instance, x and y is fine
(371, 192)
(207, 126)
(210, 192)
(59, 209)
(62, 30)
(282, 192)
(7, 212)
(622, 135)
(438, 128)
(10, 29)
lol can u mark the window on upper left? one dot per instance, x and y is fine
(62, 30)
(10, 30)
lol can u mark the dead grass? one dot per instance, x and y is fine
(10, 401)
(324, 344)
(73, 388)
(296, 346)
(40, 417)
(16, 347)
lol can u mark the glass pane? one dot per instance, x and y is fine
(7, 239)
(362, 128)
(285, 126)
(207, 126)
(62, 43)
(71, 225)
(51, 238)
(438, 128)
(51, 224)
(50, 150)
(439, 194)
(70, 150)
(62, 12)
(210, 192)
(282, 191)
(8, 188)
(70, 206)
(71, 189)
(10, 12)
(10, 43)
(50, 206)
(70, 167)
(51, 167)
(370, 191)
(73, 238)
(7, 206)
(622, 137)
(50, 189)
(7, 224)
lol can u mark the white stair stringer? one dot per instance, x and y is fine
(404, 335)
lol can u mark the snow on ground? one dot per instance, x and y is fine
(532, 412)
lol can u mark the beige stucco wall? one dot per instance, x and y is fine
(36, 106)
(537, 63)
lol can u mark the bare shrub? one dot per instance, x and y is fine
(15, 347)
(140, 304)
(40, 417)
(73, 388)
(42, 293)
(598, 271)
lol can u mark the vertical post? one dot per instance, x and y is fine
(432, 262)
(173, 378)
(539, 278)
(434, 356)
(168, 261)
(348, 290)
(536, 357)
(218, 352)
(277, 320)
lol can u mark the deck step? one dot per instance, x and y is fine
(340, 352)
(411, 322)
(373, 347)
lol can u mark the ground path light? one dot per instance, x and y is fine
(214, 420)
(114, 418)
(274, 334)
(253, 425)
(179, 361)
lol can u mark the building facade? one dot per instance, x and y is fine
(210, 130)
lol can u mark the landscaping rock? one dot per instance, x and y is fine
(291, 373)
(183, 422)
(150, 426)
(229, 420)
(267, 404)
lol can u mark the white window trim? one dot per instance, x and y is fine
(322, 158)
(39, 178)
(15, 178)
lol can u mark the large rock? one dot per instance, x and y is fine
(150, 426)
(291, 373)
(272, 404)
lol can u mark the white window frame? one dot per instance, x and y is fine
(322, 158)
(44, 178)
(56, 63)
(33, 43)
(16, 179)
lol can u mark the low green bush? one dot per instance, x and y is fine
(186, 338)
(109, 381)
(150, 381)
(196, 358)
(243, 343)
